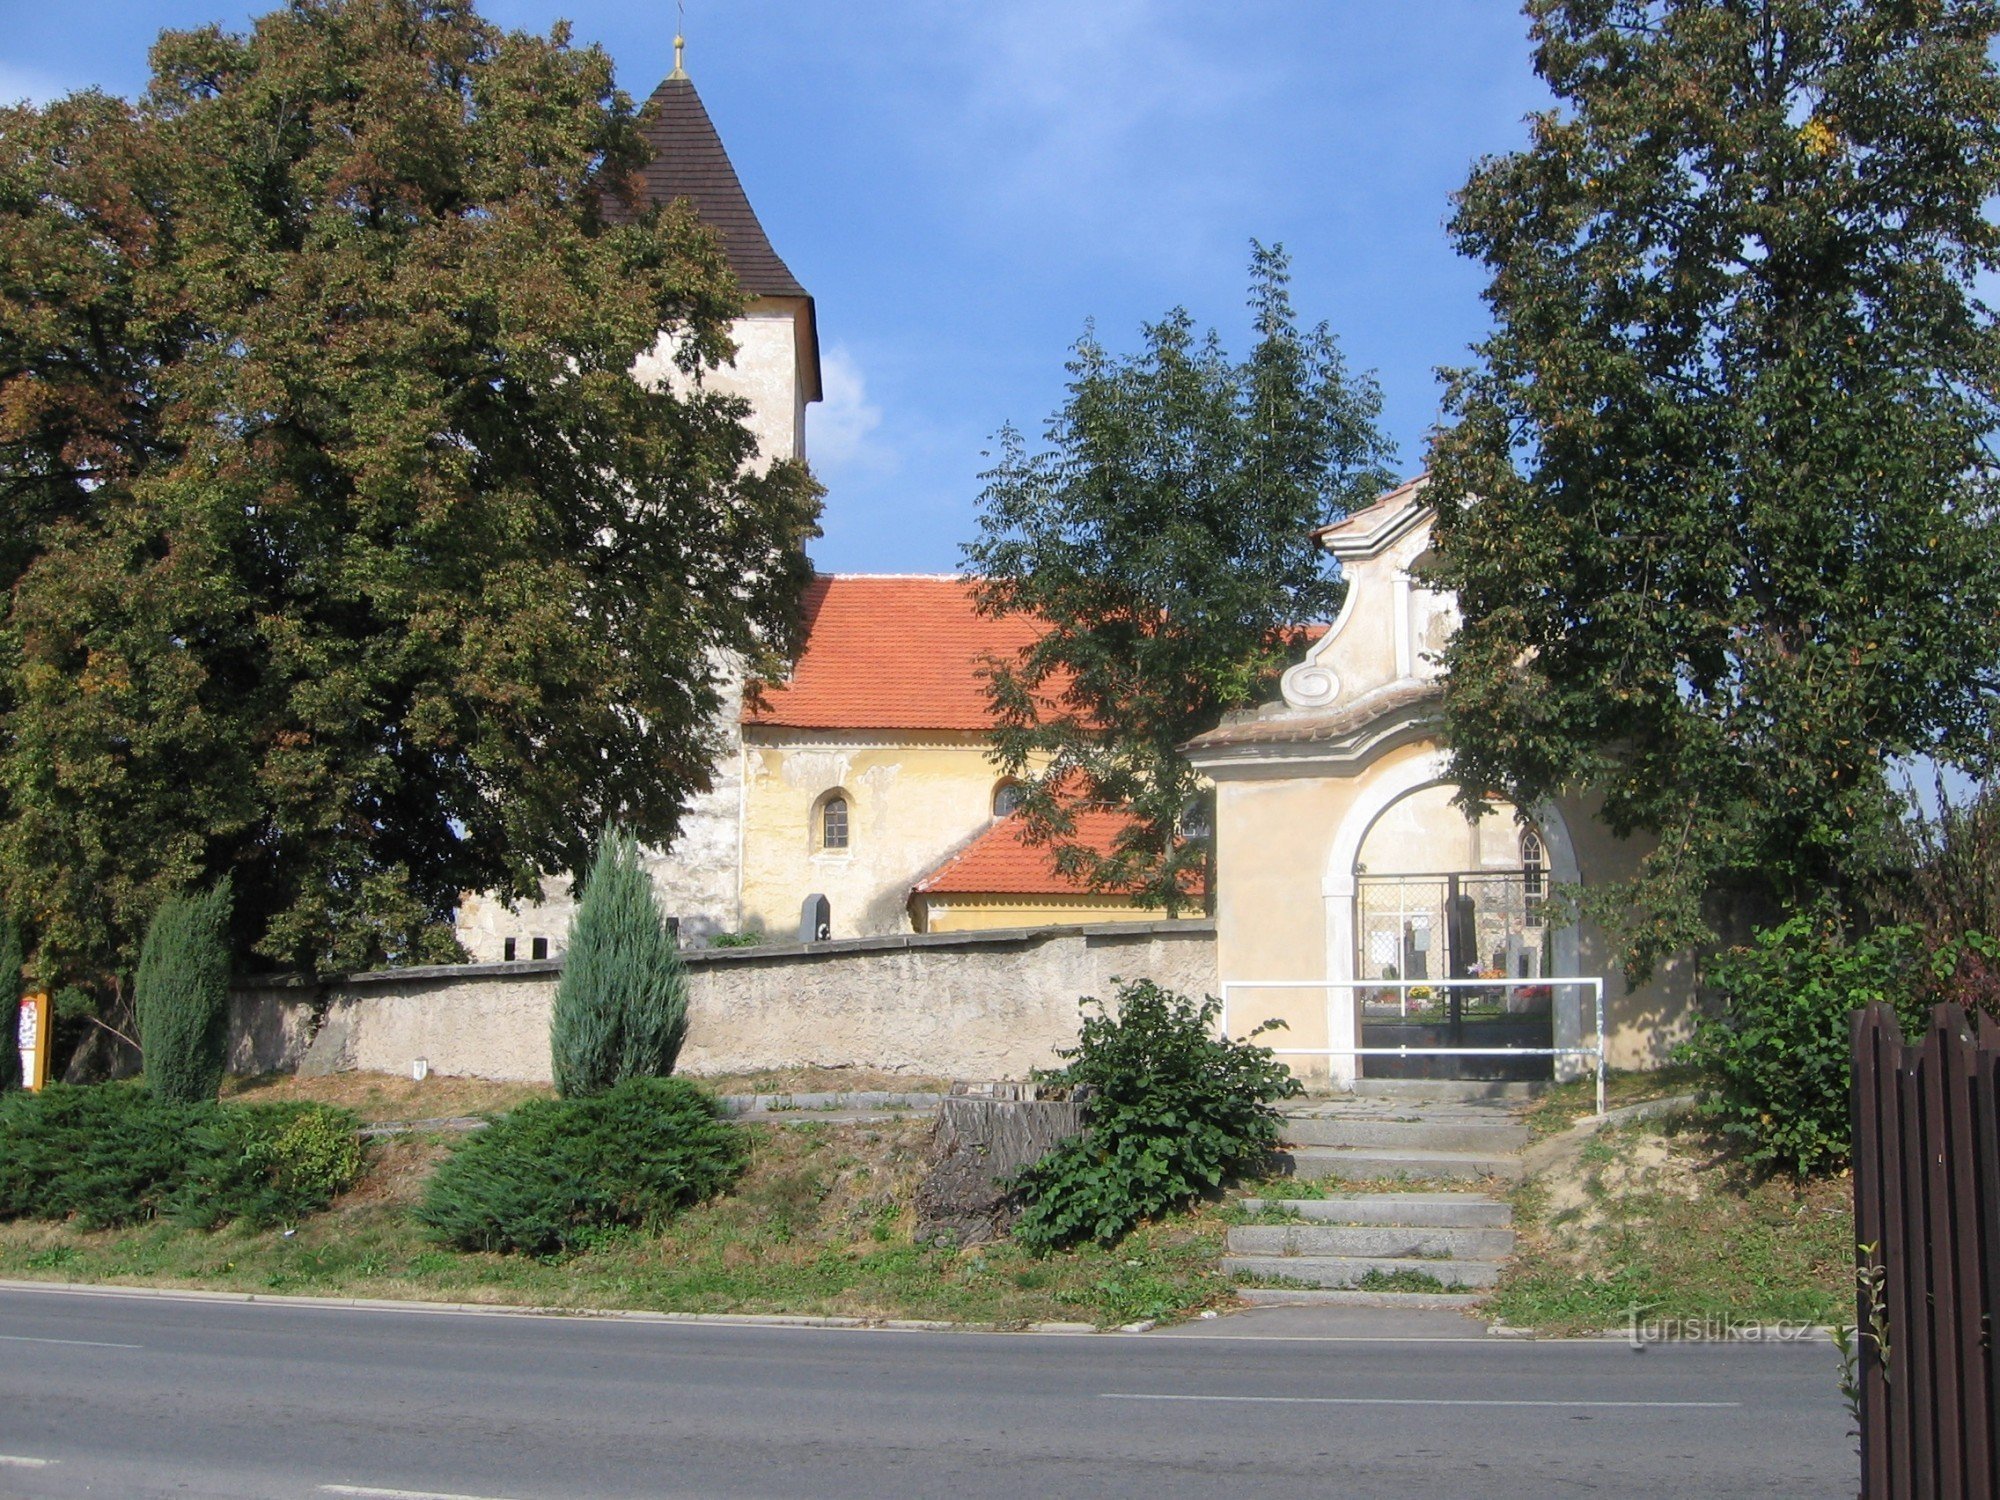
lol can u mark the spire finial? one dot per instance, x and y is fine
(680, 42)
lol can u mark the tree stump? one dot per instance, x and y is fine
(976, 1146)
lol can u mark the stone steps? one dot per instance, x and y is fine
(1362, 1162)
(1372, 1241)
(1473, 1135)
(1411, 1210)
(1351, 1270)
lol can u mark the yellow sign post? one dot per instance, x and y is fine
(33, 1037)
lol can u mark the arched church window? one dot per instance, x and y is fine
(1007, 797)
(832, 829)
(1534, 874)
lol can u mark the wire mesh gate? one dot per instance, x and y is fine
(1421, 938)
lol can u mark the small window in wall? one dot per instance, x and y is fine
(507, 951)
(1534, 874)
(1007, 797)
(832, 830)
(538, 948)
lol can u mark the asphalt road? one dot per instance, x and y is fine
(106, 1394)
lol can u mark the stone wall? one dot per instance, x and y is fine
(956, 1005)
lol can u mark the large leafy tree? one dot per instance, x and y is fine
(344, 552)
(1162, 533)
(1718, 499)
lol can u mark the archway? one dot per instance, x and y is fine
(1416, 892)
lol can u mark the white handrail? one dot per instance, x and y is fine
(1404, 986)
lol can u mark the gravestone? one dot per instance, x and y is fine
(815, 920)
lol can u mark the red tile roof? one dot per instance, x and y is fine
(999, 863)
(890, 652)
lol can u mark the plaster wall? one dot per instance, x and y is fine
(972, 913)
(984, 1005)
(912, 799)
(765, 373)
(695, 880)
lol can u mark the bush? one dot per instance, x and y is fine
(1175, 1111)
(10, 1003)
(558, 1175)
(621, 1004)
(182, 996)
(113, 1154)
(1780, 1054)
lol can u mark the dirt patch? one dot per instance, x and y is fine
(378, 1097)
(1621, 1171)
(823, 1081)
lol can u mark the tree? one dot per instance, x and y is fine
(1718, 500)
(10, 1004)
(621, 1004)
(347, 553)
(181, 992)
(1162, 533)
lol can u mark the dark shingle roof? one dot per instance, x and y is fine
(689, 162)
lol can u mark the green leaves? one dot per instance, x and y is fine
(1162, 532)
(557, 1174)
(1716, 501)
(1174, 1112)
(346, 553)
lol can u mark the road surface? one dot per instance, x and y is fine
(130, 1395)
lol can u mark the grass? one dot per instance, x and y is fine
(1656, 1217)
(1563, 1104)
(817, 1226)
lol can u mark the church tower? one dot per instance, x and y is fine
(777, 339)
(776, 370)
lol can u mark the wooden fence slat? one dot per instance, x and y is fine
(1927, 1199)
(1902, 1460)
(1870, 1231)
(1960, 1300)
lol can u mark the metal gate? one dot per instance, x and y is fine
(1417, 934)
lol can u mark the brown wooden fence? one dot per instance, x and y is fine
(1927, 1225)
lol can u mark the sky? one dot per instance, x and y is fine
(962, 185)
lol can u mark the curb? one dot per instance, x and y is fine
(581, 1314)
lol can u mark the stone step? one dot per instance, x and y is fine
(1317, 1296)
(1371, 1241)
(1314, 1162)
(1443, 1088)
(1349, 1270)
(1491, 1136)
(1428, 1210)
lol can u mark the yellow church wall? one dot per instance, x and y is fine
(912, 800)
(973, 913)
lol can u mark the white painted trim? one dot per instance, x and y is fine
(1405, 626)
(1311, 683)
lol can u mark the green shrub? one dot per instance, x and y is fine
(1174, 1112)
(1779, 1055)
(10, 1002)
(267, 1164)
(621, 1004)
(113, 1154)
(557, 1175)
(182, 995)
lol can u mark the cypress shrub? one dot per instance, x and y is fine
(621, 1005)
(10, 1002)
(182, 995)
(558, 1175)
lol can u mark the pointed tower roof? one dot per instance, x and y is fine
(689, 162)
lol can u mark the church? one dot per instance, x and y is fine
(863, 778)
(1354, 899)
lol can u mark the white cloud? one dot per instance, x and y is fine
(840, 429)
